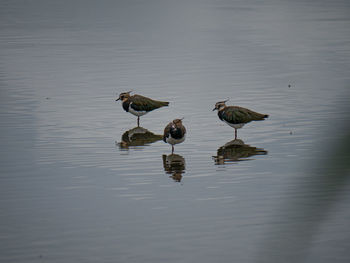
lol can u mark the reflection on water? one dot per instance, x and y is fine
(235, 151)
(174, 164)
(138, 136)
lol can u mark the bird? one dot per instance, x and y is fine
(139, 105)
(236, 116)
(174, 133)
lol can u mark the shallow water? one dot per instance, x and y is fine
(80, 183)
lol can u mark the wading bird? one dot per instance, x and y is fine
(174, 133)
(139, 105)
(236, 116)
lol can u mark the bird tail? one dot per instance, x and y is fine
(261, 117)
(163, 103)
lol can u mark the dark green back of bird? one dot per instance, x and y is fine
(237, 115)
(141, 103)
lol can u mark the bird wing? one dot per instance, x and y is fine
(167, 131)
(235, 115)
(141, 103)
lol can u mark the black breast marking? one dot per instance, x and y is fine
(126, 105)
(220, 114)
(176, 133)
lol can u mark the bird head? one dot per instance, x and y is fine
(178, 121)
(123, 96)
(220, 105)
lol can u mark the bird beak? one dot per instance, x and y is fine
(117, 99)
(214, 109)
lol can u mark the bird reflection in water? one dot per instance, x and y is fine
(138, 136)
(235, 151)
(174, 164)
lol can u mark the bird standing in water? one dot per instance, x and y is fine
(139, 105)
(236, 116)
(174, 133)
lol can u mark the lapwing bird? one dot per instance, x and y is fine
(139, 105)
(174, 133)
(236, 116)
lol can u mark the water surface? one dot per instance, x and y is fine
(80, 183)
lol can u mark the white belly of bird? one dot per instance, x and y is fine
(236, 126)
(173, 141)
(136, 113)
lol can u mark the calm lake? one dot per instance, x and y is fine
(80, 183)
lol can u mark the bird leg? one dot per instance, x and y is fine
(235, 134)
(172, 149)
(138, 121)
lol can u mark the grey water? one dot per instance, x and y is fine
(80, 183)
